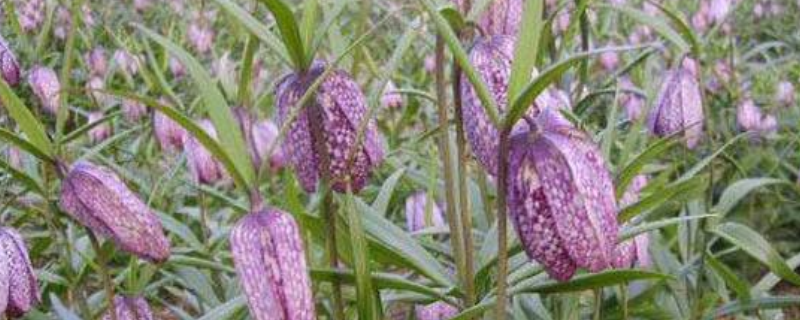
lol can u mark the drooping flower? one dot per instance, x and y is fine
(170, 135)
(785, 93)
(419, 215)
(679, 105)
(200, 35)
(97, 62)
(13, 157)
(632, 104)
(609, 60)
(718, 10)
(391, 98)
(176, 67)
(101, 131)
(343, 109)
(700, 18)
(45, 85)
(502, 17)
(751, 118)
(97, 198)
(126, 62)
(204, 167)
(435, 311)
(19, 291)
(63, 20)
(633, 252)
(264, 135)
(30, 14)
(722, 73)
(95, 86)
(561, 198)
(130, 308)
(269, 257)
(492, 60)
(9, 67)
(133, 110)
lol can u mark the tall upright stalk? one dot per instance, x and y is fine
(502, 221)
(327, 208)
(456, 239)
(463, 197)
(102, 264)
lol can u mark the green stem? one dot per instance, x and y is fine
(102, 264)
(63, 111)
(502, 228)
(456, 239)
(464, 205)
(624, 297)
(598, 304)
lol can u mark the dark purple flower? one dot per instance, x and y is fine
(19, 291)
(492, 60)
(204, 167)
(130, 308)
(98, 199)
(435, 311)
(9, 67)
(502, 17)
(45, 85)
(343, 108)
(269, 257)
(419, 215)
(133, 110)
(561, 198)
(679, 105)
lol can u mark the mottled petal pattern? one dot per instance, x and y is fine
(502, 17)
(9, 67)
(98, 199)
(20, 282)
(435, 311)
(130, 308)
(270, 261)
(679, 105)
(204, 167)
(343, 108)
(46, 86)
(170, 135)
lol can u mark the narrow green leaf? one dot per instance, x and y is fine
(28, 181)
(733, 281)
(226, 310)
(381, 281)
(631, 232)
(310, 16)
(26, 121)
(381, 203)
(256, 28)
(23, 144)
(635, 166)
(527, 48)
(736, 191)
(364, 293)
(683, 28)
(672, 191)
(658, 24)
(290, 32)
(770, 279)
(735, 307)
(592, 281)
(757, 247)
(707, 160)
(216, 107)
(62, 311)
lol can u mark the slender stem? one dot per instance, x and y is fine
(463, 198)
(624, 297)
(102, 263)
(316, 115)
(598, 303)
(502, 229)
(483, 185)
(456, 240)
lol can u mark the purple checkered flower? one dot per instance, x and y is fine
(435, 311)
(133, 110)
(343, 107)
(97, 198)
(204, 167)
(170, 135)
(19, 291)
(561, 198)
(30, 14)
(96, 61)
(9, 67)
(633, 252)
(130, 308)
(391, 99)
(264, 135)
(751, 118)
(269, 257)
(492, 60)
(200, 35)
(45, 85)
(502, 17)
(419, 215)
(679, 105)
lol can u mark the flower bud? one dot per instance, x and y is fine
(419, 215)
(30, 14)
(269, 257)
(170, 135)
(609, 60)
(98, 199)
(133, 110)
(176, 67)
(19, 291)
(502, 17)
(264, 135)
(200, 36)
(9, 67)
(785, 93)
(679, 105)
(718, 10)
(97, 62)
(101, 131)
(130, 308)
(45, 85)
(391, 98)
(492, 60)
(435, 311)
(204, 167)
(561, 199)
(342, 107)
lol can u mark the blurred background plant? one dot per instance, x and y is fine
(179, 102)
